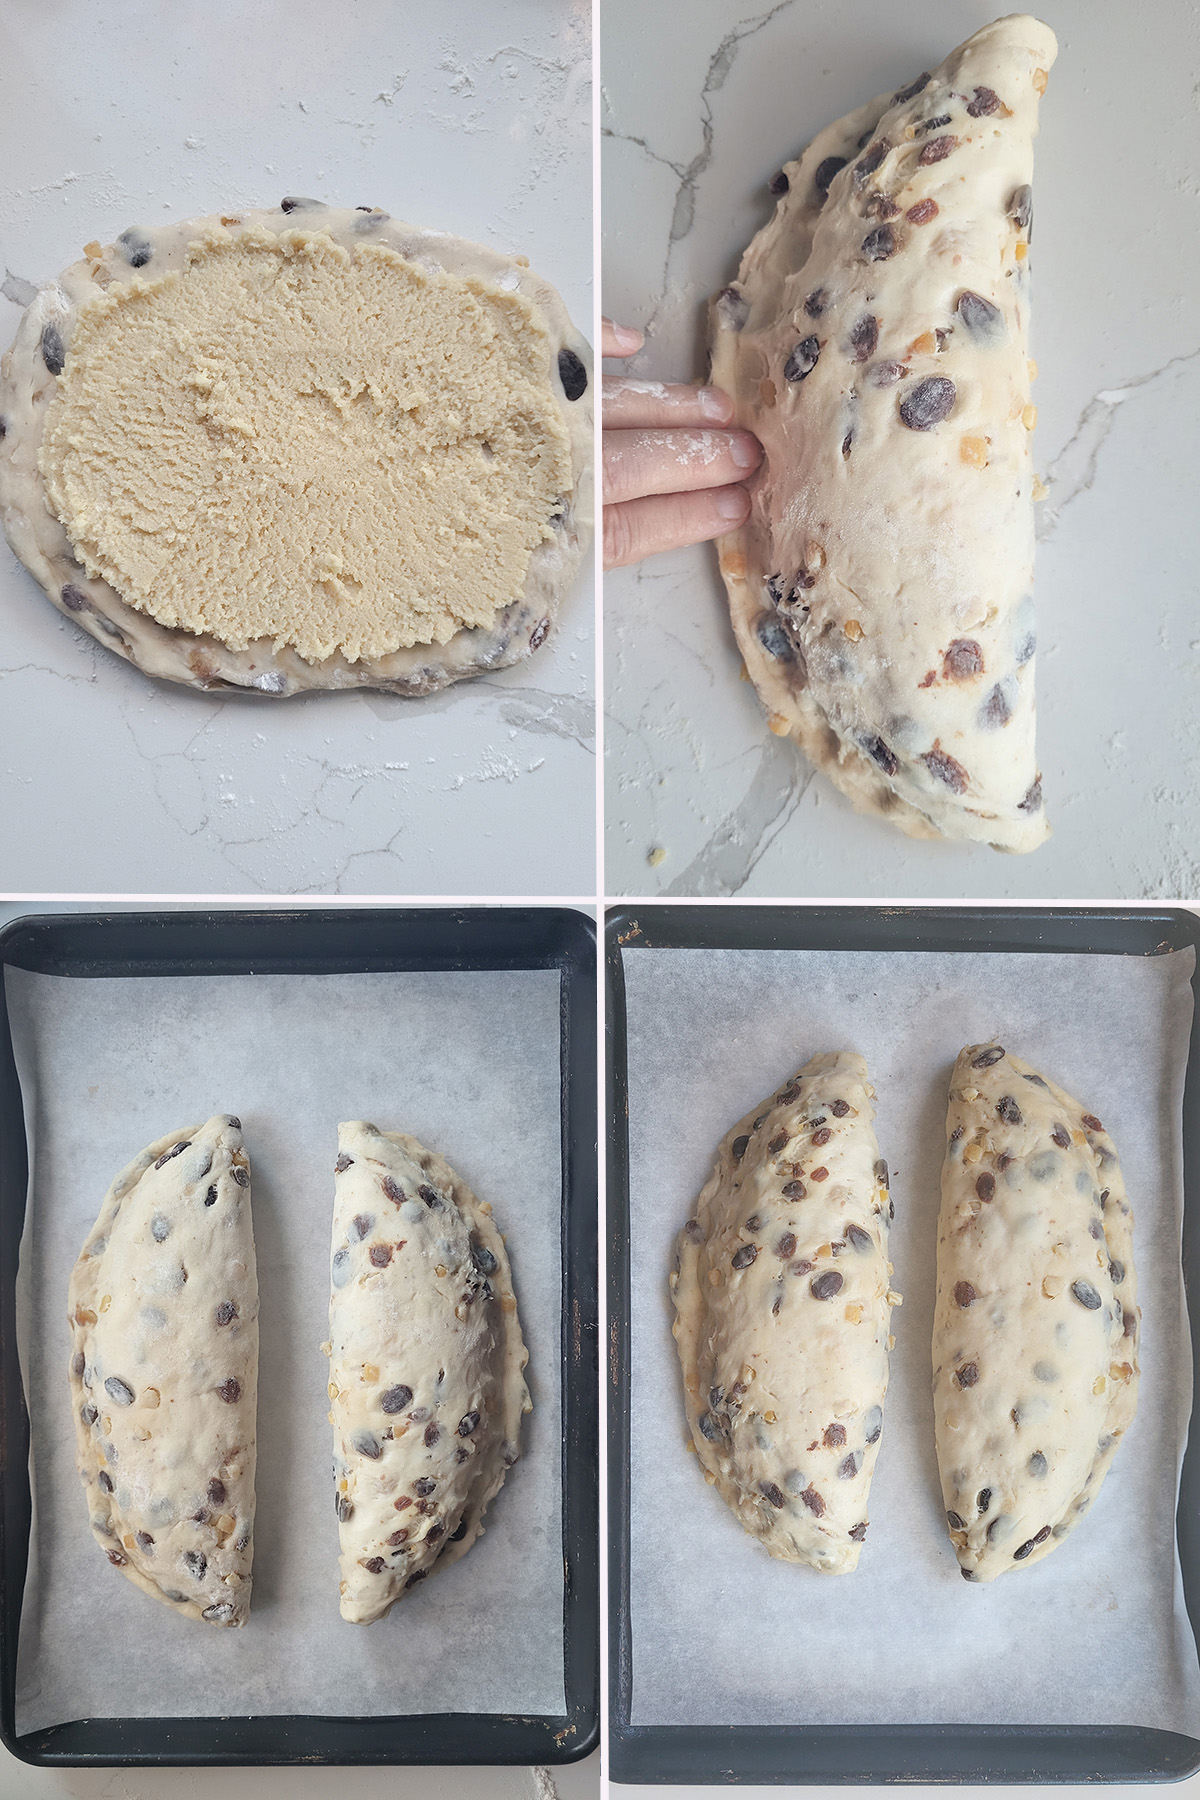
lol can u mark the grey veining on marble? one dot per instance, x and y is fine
(474, 119)
(701, 102)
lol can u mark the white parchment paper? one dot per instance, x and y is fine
(469, 1063)
(722, 1634)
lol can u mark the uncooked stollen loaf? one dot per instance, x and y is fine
(426, 1357)
(876, 340)
(783, 1301)
(300, 447)
(164, 1372)
(1035, 1335)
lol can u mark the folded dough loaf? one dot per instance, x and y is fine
(782, 1305)
(1035, 1332)
(164, 1373)
(426, 1367)
(300, 447)
(876, 341)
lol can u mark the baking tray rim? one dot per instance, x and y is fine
(282, 939)
(835, 1755)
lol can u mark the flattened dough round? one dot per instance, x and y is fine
(300, 448)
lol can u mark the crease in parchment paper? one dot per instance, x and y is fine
(722, 1634)
(469, 1063)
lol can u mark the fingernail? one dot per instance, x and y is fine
(733, 503)
(744, 450)
(626, 336)
(714, 404)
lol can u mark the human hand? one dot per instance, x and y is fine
(670, 478)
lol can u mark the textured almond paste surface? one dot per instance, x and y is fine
(339, 450)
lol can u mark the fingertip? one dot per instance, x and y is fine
(732, 504)
(745, 449)
(715, 404)
(620, 340)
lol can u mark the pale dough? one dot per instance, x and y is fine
(304, 447)
(876, 340)
(164, 1372)
(782, 1299)
(1036, 1326)
(425, 1384)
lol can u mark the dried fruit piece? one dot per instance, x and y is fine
(51, 346)
(883, 754)
(1020, 208)
(879, 244)
(982, 318)
(864, 336)
(962, 659)
(985, 100)
(937, 149)
(826, 1285)
(914, 88)
(928, 403)
(944, 766)
(572, 372)
(868, 163)
(802, 360)
(826, 172)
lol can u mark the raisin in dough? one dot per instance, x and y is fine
(164, 1374)
(395, 492)
(876, 342)
(1035, 1332)
(426, 1367)
(782, 1305)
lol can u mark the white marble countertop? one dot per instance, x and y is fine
(703, 99)
(476, 120)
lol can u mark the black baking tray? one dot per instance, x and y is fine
(328, 942)
(828, 1754)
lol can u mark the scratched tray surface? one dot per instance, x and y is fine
(1098, 1635)
(487, 1669)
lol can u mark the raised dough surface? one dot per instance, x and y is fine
(1035, 1324)
(520, 317)
(425, 1382)
(164, 1372)
(782, 1300)
(881, 588)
